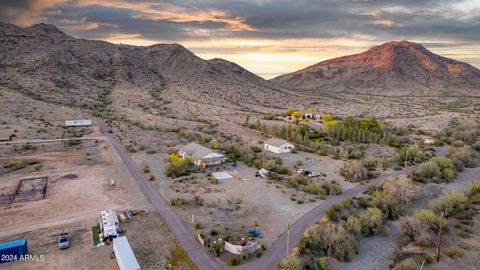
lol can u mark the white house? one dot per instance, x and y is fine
(202, 156)
(278, 146)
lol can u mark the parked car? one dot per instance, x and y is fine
(308, 173)
(262, 173)
(63, 241)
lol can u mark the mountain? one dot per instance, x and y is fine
(46, 63)
(394, 68)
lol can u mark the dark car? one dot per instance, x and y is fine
(63, 241)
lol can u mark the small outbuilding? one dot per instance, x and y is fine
(278, 146)
(221, 175)
(78, 123)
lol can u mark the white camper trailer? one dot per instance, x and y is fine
(123, 253)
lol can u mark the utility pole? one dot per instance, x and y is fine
(406, 158)
(439, 236)
(288, 234)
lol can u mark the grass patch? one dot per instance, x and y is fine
(95, 236)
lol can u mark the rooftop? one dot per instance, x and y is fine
(196, 150)
(276, 142)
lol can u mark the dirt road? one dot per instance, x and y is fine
(185, 237)
(198, 254)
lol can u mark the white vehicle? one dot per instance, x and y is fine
(123, 253)
(308, 173)
(108, 224)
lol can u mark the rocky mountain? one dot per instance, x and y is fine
(44, 62)
(393, 68)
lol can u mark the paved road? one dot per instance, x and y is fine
(183, 234)
(271, 256)
(100, 138)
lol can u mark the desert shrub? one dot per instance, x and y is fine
(412, 229)
(335, 189)
(354, 172)
(327, 239)
(14, 165)
(395, 193)
(350, 153)
(413, 154)
(436, 169)
(465, 134)
(332, 211)
(292, 262)
(315, 188)
(451, 203)
(369, 162)
(473, 189)
(368, 223)
(428, 217)
(464, 154)
(179, 166)
(177, 201)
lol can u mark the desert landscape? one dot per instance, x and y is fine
(364, 161)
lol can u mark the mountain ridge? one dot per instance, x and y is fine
(42, 60)
(392, 68)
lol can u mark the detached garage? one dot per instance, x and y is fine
(278, 146)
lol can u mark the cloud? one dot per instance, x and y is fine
(257, 30)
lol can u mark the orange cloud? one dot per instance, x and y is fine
(375, 15)
(175, 13)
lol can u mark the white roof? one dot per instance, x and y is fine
(276, 142)
(124, 254)
(221, 175)
(78, 123)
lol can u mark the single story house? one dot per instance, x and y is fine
(278, 146)
(202, 156)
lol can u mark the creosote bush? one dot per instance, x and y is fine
(354, 172)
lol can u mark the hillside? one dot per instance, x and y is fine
(45, 63)
(393, 68)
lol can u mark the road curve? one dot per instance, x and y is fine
(198, 254)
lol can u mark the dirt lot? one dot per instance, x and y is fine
(244, 202)
(65, 189)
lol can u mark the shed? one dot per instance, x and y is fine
(278, 146)
(78, 123)
(221, 175)
(13, 250)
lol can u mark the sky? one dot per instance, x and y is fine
(267, 37)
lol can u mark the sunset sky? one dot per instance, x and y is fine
(266, 37)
